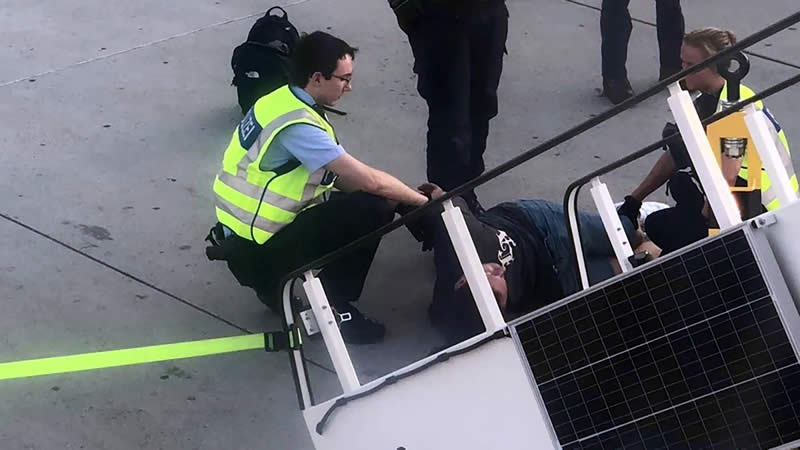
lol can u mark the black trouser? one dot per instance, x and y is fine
(615, 31)
(673, 228)
(455, 316)
(314, 233)
(459, 59)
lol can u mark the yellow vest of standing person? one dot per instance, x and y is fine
(768, 197)
(254, 203)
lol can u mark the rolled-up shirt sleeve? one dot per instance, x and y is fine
(310, 145)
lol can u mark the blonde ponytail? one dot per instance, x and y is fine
(710, 40)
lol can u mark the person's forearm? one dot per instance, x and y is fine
(394, 189)
(730, 169)
(659, 174)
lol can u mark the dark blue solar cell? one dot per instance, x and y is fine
(683, 355)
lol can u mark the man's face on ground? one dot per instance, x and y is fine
(496, 274)
(329, 91)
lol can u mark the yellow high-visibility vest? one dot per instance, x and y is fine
(255, 204)
(768, 196)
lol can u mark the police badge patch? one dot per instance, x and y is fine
(249, 129)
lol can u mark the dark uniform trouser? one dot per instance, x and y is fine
(615, 30)
(674, 228)
(459, 59)
(314, 233)
(456, 317)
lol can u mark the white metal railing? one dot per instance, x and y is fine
(476, 280)
(705, 164)
(478, 283)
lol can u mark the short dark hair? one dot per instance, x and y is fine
(317, 52)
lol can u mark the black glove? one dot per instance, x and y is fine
(630, 209)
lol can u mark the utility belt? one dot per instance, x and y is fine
(242, 257)
(224, 243)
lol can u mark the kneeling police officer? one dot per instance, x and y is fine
(273, 198)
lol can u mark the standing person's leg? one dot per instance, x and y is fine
(671, 27)
(488, 34)
(441, 60)
(615, 32)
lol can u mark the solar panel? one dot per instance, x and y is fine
(691, 351)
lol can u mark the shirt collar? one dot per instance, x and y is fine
(302, 95)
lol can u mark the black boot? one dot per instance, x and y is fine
(617, 90)
(359, 329)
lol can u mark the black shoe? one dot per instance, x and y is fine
(360, 330)
(667, 72)
(617, 90)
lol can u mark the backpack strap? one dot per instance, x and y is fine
(276, 45)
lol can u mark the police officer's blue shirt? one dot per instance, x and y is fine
(302, 142)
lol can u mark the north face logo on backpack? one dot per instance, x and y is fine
(260, 64)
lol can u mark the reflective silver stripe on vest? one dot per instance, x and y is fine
(254, 191)
(266, 133)
(769, 195)
(312, 184)
(786, 158)
(240, 184)
(247, 217)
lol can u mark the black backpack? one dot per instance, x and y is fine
(260, 64)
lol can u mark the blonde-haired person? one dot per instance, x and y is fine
(673, 228)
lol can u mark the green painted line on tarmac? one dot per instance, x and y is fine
(130, 356)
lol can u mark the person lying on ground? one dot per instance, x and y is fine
(527, 255)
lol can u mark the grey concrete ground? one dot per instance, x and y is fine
(115, 115)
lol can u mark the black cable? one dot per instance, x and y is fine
(341, 401)
(258, 208)
(295, 370)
